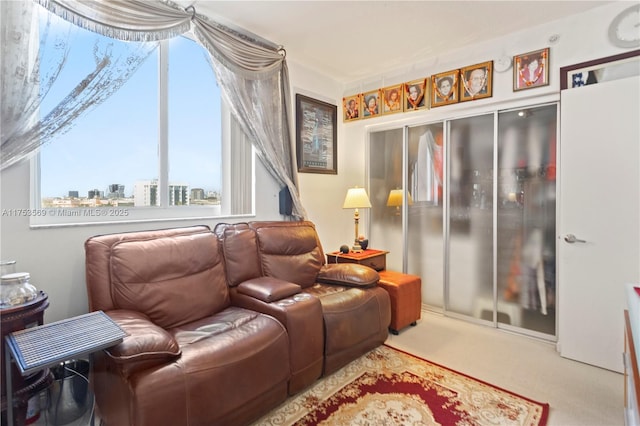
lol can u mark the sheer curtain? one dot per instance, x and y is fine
(29, 117)
(252, 73)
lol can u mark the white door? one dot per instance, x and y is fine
(599, 193)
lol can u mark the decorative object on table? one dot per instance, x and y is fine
(316, 136)
(371, 104)
(15, 289)
(416, 94)
(444, 88)
(364, 242)
(351, 107)
(386, 384)
(356, 198)
(7, 267)
(531, 70)
(344, 249)
(395, 199)
(624, 30)
(392, 99)
(476, 81)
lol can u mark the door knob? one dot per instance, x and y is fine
(570, 238)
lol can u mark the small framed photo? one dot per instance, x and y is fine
(371, 103)
(415, 94)
(392, 99)
(444, 90)
(351, 107)
(316, 136)
(531, 70)
(476, 81)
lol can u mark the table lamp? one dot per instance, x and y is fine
(395, 199)
(356, 199)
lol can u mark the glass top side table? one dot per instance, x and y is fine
(44, 346)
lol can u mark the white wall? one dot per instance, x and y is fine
(323, 194)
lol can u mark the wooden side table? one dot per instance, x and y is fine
(376, 259)
(17, 318)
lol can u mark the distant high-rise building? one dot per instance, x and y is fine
(197, 194)
(145, 193)
(116, 191)
(95, 193)
(74, 194)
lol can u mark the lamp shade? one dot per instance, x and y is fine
(395, 198)
(356, 198)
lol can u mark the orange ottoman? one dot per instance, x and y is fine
(405, 292)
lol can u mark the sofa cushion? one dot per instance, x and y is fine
(289, 251)
(240, 251)
(268, 289)
(144, 340)
(349, 274)
(173, 280)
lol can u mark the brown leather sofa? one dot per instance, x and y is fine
(223, 325)
(356, 313)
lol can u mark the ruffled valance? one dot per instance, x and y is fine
(252, 72)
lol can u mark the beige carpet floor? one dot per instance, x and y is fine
(578, 394)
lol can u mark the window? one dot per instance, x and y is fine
(153, 150)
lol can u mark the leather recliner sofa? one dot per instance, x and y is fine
(356, 313)
(222, 326)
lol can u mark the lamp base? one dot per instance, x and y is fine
(356, 247)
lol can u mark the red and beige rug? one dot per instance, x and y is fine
(391, 387)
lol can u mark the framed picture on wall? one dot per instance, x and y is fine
(392, 99)
(596, 71)
(444, 90)
(316, 136)
(415, 94)
(351, 107)
(476, 81)
(531, 70)
(371, 103)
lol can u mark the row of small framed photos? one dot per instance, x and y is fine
(465, 84)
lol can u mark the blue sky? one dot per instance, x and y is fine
(117, 142)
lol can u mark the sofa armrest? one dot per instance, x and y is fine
(145, 345)
(268, 289)
(348, 274)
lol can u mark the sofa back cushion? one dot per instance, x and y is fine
(98, 260)
(240, 250)
(290, 251)
(173, 280)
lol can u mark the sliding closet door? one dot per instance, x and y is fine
(405, 188)
(526, 254)
(470, 223)
(425, 236)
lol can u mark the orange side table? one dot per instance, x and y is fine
(405, 292)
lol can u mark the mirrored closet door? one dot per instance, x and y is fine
(468, 204)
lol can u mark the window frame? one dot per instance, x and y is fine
(239, 151)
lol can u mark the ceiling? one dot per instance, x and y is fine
(342, 39)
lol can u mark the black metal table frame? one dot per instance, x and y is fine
(36, 348)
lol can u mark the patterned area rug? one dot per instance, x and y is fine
(390, 387)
